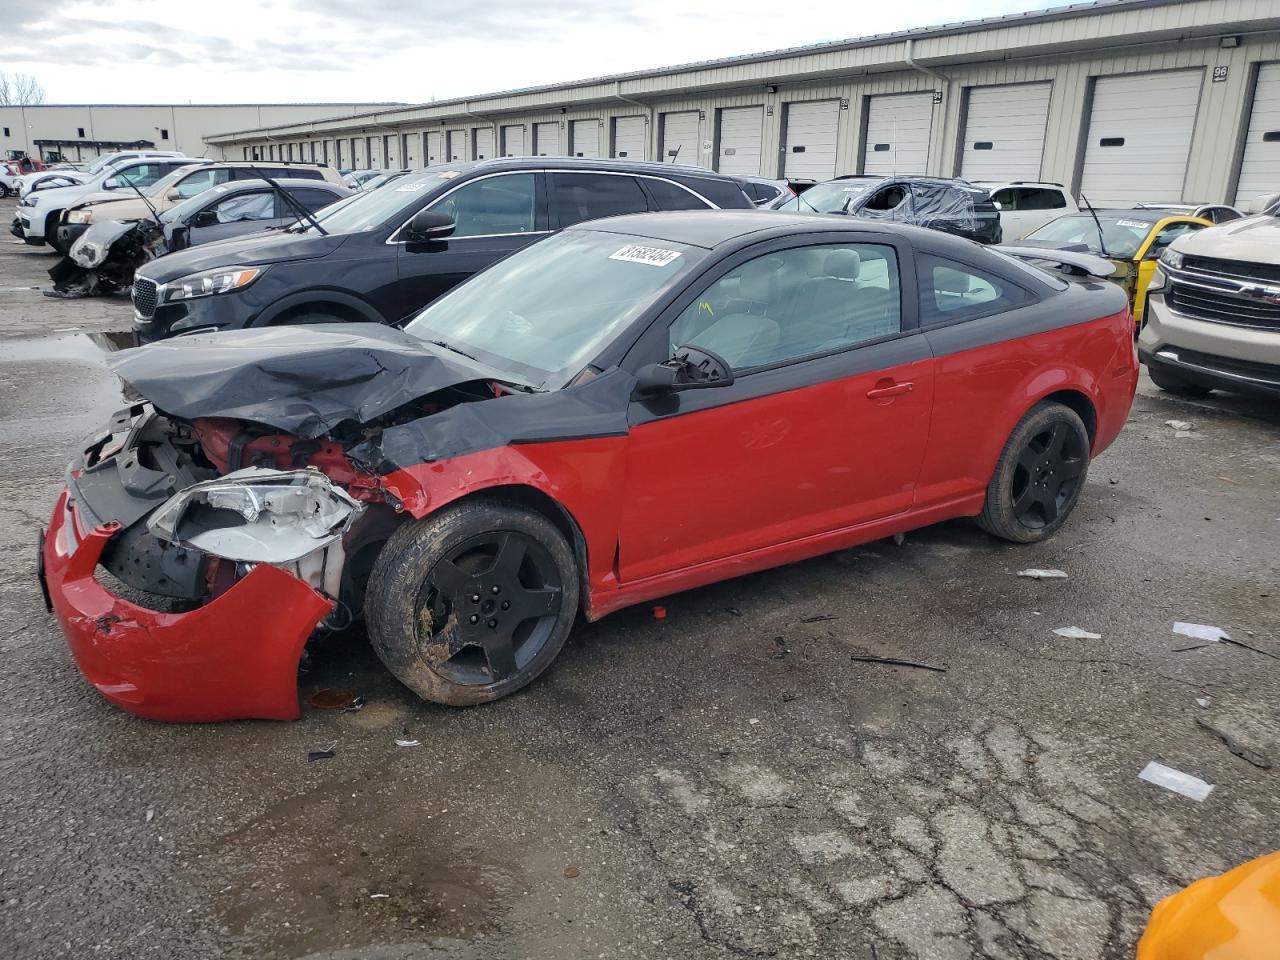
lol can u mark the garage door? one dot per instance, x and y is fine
(810, 149)
(431, 148)
(898, 130)
(1260, 169)
(1139, 137)
(546, 139)
(741, 130)
(513, 140)
(482, 143)
(629, 135)
(1004, 132)
(680, 137)
(456, 145)
(408, 149)
(584, 138)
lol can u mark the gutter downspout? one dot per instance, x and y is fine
(648, 113)
(944, 81)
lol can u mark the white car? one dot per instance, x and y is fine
(40, 210)
(47, 179)
(1026, 206)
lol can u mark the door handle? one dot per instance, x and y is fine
(889, 389)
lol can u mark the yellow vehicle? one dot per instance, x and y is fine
(1235, 916)
(1131, 239)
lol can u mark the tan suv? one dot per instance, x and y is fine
(182, 184)
(1213, 311)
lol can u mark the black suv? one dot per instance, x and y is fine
(382, 256)
(952, 206)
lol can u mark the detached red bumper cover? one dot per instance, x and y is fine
(236, 657)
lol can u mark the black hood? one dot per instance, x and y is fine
(271, 246)
(304, 380)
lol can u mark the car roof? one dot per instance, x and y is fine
(712, 228)
(583, 163)
(240, 186)
(1146, 216)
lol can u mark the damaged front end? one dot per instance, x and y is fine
(103, 259)
(188, 591)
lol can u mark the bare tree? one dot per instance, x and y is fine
(20, 89)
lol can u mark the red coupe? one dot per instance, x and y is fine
(627, 409)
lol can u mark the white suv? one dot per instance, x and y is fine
(40, 210)
(1026, 206)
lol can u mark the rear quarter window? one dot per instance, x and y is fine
(672, 196)
(723, 193)
(951, 291)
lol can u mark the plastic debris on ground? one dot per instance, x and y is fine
(895, 662)
(1043, 574)
(1184, 783)
(1075, 633)
(1203, 701)
(408, 743)
(323, 753)
(1182, 425)
(899, 538)
(327, 699)
(1201, 631)
(659, 613)
(355, 706)
(379, 896)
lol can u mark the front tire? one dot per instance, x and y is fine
(473, 603)
(1039, 475)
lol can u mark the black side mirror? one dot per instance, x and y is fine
(690, 368)
(427, 225)
(205, 218)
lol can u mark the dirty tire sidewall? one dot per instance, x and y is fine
(998, 517)
(406, 560)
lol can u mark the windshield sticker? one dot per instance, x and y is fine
(1137, 224)
(652, 256)
(410, 188)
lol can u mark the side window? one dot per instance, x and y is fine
(142, 174)
(889, 198)
(313, 200)
(955, 291)
(245, 206)
(795, 303)
(671, 196)
(1007, 198)
(1170, 234)
(1040, 198)
(589, 196)
(494, 205)
(200, 181)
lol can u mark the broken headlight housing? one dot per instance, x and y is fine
(211, 282)
(258, 515)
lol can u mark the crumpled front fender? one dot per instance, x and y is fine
(236, 657)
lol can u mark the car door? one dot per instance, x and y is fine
(823, 428)
(1149, 255)
(493, 215)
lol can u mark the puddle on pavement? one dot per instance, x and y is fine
(74, 347)
(357, 861)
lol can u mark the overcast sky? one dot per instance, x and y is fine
(250, 51)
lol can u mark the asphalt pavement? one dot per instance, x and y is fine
(723, 782)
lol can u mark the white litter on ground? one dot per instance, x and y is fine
(1203, 701)
(1043, 574)
(1075, 633)
(1178, 424)
(408, 743)
(1201, 631)
(1184, 783)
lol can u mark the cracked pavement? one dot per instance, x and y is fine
(725, 782)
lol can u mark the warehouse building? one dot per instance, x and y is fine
(77, 132)
(1124, 100)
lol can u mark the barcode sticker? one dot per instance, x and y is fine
(652, 256)
(1132, 223)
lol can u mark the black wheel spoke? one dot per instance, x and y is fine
(1049, 505)
(510, 556)
(451, 579)
(1029, 460)
(500, 651)
(539, 602)
(1025, 499)
(1071, 467)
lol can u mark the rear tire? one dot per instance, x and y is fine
(472, 603)
(1170, 382)
(1039, 475)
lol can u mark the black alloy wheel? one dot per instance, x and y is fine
(1048, 473)
(473, 602)
(488, 607)
(1039, 476)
